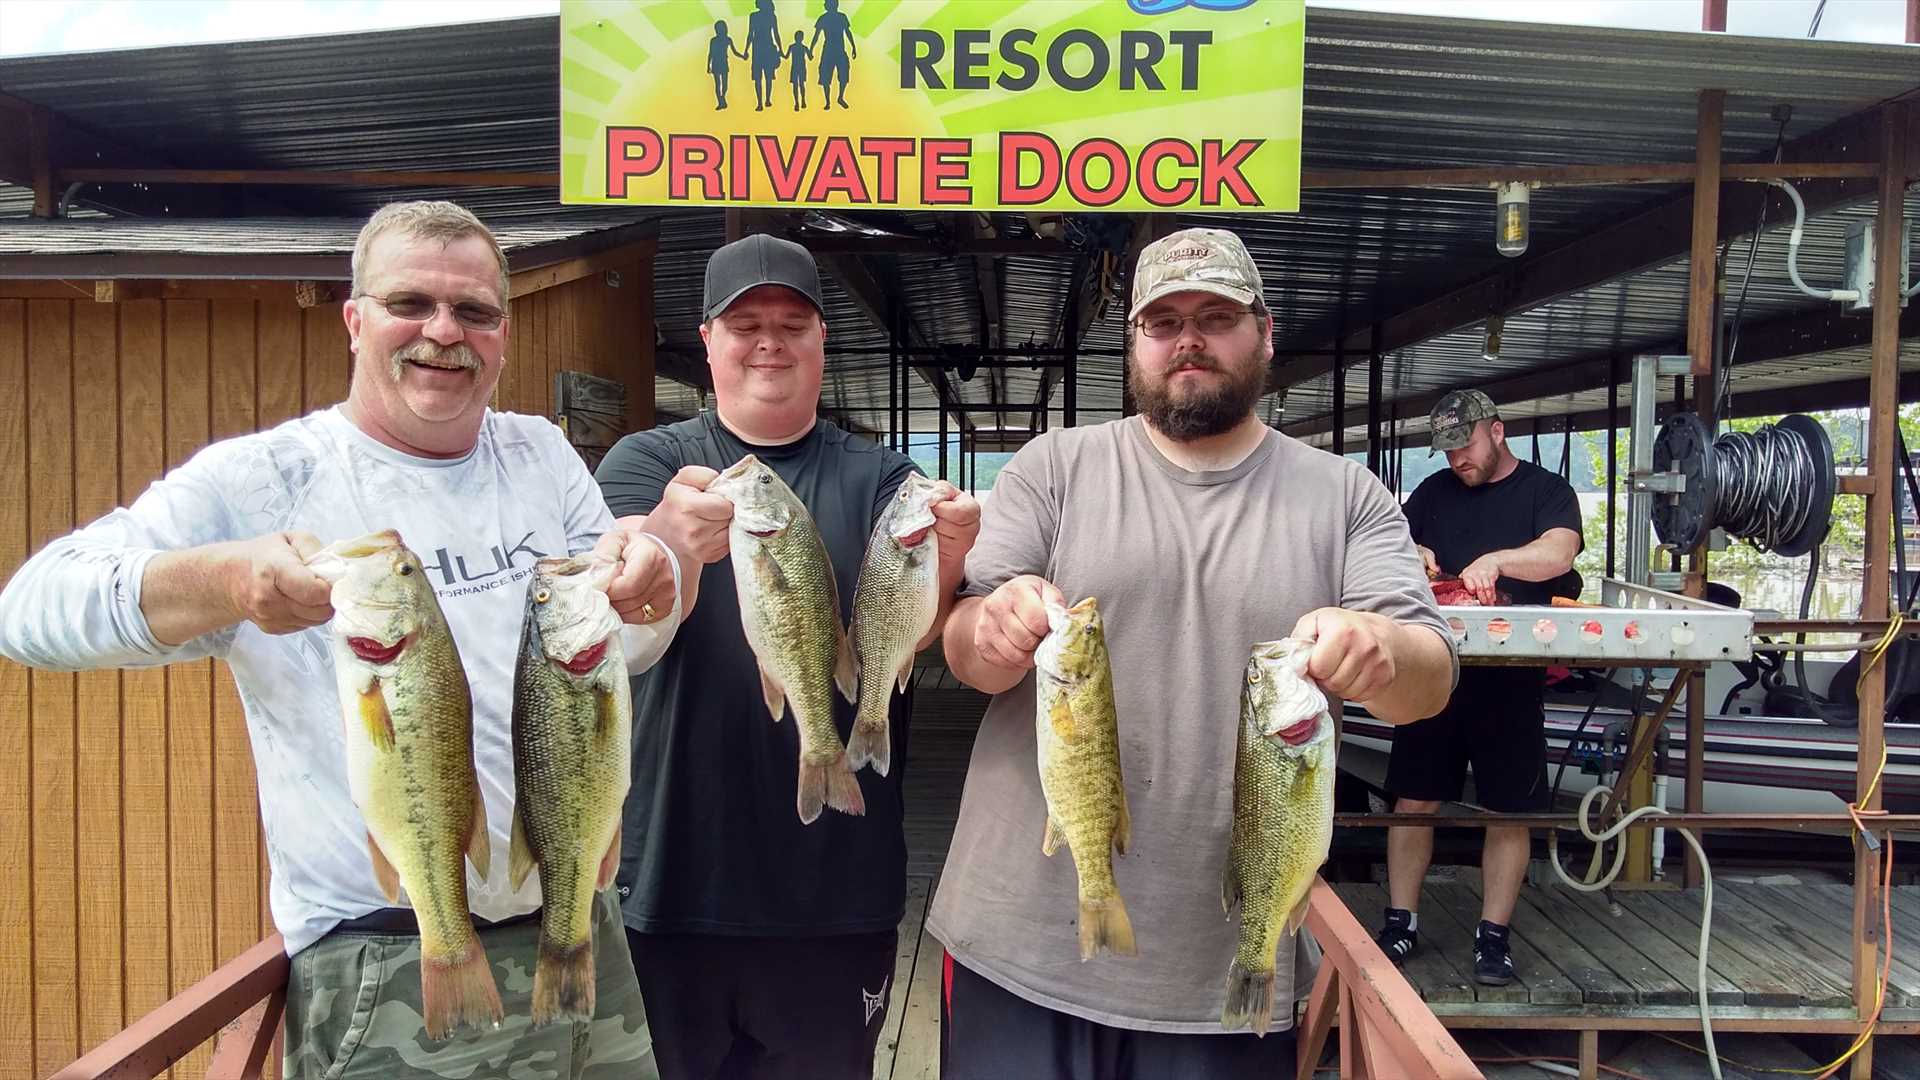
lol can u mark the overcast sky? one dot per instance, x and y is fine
(42, 26)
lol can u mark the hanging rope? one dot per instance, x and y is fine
(1765, 485)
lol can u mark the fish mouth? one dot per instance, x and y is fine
(1299, 733)
(586, 659)
(375, 651)
(360, 546)
(915, 538)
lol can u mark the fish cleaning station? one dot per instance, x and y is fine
(1682, 262)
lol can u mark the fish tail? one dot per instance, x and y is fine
(869, 745)
(830, 784)
(563, 983)
(457, 990)
(1105, 922)
(1249, 999)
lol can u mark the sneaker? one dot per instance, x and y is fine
(1492, 955)
(1398, 939)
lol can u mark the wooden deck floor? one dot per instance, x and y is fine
(1774, 949)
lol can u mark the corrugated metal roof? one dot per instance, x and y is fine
(1382, 91)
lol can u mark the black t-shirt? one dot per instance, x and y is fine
(1460, 523)
(712, 843)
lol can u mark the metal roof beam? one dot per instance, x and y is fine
(1809, 333)
(1647, 239)
(875, 300)
(1084, 291)
(1839, 394)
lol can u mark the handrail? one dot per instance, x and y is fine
(241, 1002)
(1386, 1030)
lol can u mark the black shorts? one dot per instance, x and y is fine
(987, 1033)
(1493, 722)
(721, 1007)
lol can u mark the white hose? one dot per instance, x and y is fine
(1619, 860)
(1793, 254)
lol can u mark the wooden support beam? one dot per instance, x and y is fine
(1648, 238)
(530, 281)
(1913, 22)
(40, 162)
(1703, 337)
(1882, 404)
(119, 290)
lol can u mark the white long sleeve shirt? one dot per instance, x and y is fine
(478, 524)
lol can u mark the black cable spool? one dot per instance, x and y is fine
(1773, 487)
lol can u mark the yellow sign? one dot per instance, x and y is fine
(1125, 105)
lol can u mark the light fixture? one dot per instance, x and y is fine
(1511, 225)
(1496, 326)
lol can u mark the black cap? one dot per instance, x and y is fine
(759, 260)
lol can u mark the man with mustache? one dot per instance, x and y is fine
(1200, 531)
(1501, 525)
(210, 561)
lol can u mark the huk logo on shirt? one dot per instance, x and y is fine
(873, 1003)
(453, 569)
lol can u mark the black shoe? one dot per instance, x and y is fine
(1397, 938)
(1492, 955)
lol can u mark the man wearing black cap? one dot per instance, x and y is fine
(764, 947)
(1502, 526)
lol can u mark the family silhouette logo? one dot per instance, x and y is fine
(833, 49)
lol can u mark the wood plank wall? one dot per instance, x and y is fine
(129, 824)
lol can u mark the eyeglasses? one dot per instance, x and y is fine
(419, 307)
(1211, 322)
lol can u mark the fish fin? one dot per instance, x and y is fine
(1298, 916)
(769, 570)
(1122, 826)
(479, 841)
(1229, 887)
(376, 718)
(846, 667)
(563, 984)
(1105, 923)
(843, 790)
(458, 991)
(869, 745)
(1050, 840)
(901, 680)
(1249, 999)
(383, 871)
(610, 862)
(775, 695)
(520, 860)
(1061, 716)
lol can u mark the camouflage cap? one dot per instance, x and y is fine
(1195, 260)
(1453, 418)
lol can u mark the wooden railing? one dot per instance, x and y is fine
(1386, 1030)
(240, 1003)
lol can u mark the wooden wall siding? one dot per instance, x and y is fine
(583, 325)
(128, 797)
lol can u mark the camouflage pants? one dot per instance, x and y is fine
(353, 1013)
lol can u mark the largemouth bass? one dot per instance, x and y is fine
(893, 608)
(1079, 743)
(409, 736)
(790, 610)
(1282, 819)
(572, 759)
